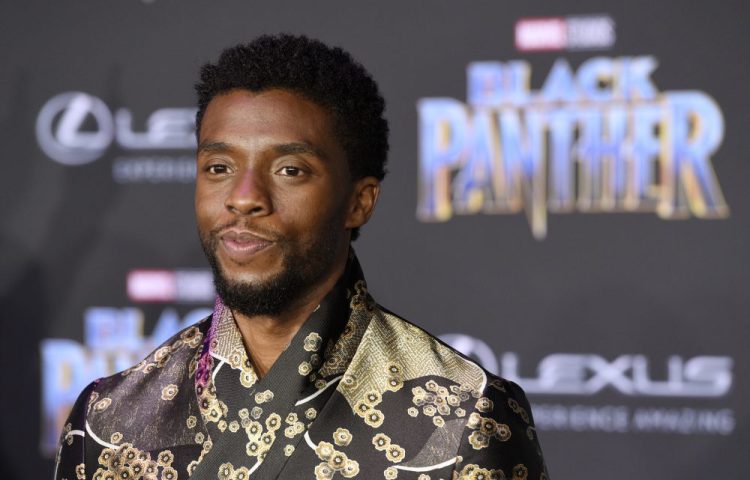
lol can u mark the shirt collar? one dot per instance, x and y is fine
(305, 365)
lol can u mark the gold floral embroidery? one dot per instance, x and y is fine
(128, 462)
(520, 472)
(485, 429)
(264, 396)
(513, 404)
(381, 441)
(342, 437)
(475, 472)
(227, 471)
(102, 404)
(334, 461)
(295, 426)
(312, 342)
(169, 392)
(395, 453)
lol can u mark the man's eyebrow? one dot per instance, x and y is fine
(303, 148)
(214, 147)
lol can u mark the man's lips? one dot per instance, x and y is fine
(241, 245)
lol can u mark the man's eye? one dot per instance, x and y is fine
(217, 169)
(290, 171)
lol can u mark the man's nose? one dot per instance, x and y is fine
(250, 195)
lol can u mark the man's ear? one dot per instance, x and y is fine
(362, 201)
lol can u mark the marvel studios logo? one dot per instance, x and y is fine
(182, 286)
(585, 32)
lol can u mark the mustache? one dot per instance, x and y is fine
(240, 224)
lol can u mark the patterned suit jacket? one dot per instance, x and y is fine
(358, 393)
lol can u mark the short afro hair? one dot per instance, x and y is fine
(328, 76)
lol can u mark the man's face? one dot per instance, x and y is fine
(272, 199)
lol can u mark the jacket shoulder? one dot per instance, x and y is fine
(393, 348)
(155, 395)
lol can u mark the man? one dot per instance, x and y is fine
(298, 373)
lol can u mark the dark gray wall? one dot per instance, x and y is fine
(621, 295)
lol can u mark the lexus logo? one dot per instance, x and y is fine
(75, 128)
(59, 128)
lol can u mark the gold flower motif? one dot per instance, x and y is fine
(372, 398)
(390, 473)
(337, 460)
(234, 426)
(241, 473)
(288, 450)
(474, 420)
(304, 368)
(102, 404)
(81, 471)
(480, 474)
(484, 405)
(253, 448)
(488, 426)
(349, 381)
(312, 342)
(324, 450)
(520, 472)
(191, 421)
(342, 437)
(351, 469)
(361, 408)
(311, 413)
(115, 438)
(478, 440)
(503, 432)
(323, 472)
(429, 410)
(273, 422)
(267, 439)
(438, 421)
(226, 470)
(165, 458)
(247, 378)
(105, 457)
(374, 418)
(394, 384)
(381, 441)
(395, 453)
(168, 473)
(169, 392)
(393, 369)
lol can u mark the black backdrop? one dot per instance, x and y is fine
(627, 329)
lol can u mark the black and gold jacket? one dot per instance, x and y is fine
(358, 393)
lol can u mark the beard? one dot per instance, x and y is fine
(303, 266)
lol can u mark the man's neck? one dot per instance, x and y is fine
(265, 337)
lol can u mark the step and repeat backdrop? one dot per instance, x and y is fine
(567, 203)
